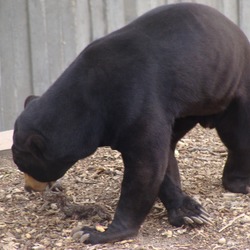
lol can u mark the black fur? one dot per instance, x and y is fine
(139, 90)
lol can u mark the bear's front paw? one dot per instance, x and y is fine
(190, 213)
(89, 235)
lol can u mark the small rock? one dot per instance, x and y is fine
(28, 236)
(54, 206)
(181, 231)
(245, 219)
(53, 236)
(230, 243)
(59, 244)
(8, 196)
(21, 197)
(222, 241)
(17, 190)
(46, 242)
(2, 225)
(168, 233)
(38, 247)
(229, 196)
(2, 196)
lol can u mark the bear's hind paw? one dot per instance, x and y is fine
(189, 213)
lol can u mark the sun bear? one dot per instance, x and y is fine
(139, 90)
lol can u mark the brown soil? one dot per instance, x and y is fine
(90, 193)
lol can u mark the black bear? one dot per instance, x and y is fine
(139, 90)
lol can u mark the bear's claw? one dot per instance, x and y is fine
(79, 235)
(200, 220)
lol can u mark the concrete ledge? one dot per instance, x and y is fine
(6, 140)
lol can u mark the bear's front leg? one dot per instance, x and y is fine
(145, 167)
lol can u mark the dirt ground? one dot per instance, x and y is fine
(45, 220)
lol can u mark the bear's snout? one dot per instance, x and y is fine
(32, 184)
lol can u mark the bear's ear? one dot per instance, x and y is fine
(36, 145)
(29, 99)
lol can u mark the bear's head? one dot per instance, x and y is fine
(30, 154)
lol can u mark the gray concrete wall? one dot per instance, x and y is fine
(39, 39)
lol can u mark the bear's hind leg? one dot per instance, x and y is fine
(181, 208)
(234, 131)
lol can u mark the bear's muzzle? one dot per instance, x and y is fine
(32, 184)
